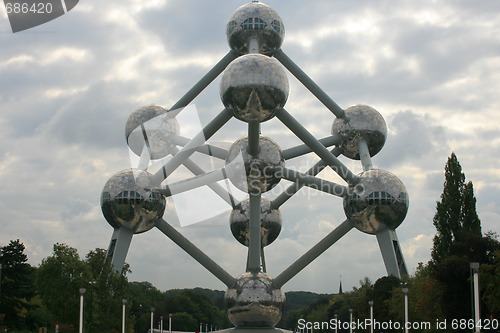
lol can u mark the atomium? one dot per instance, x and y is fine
(254, 89)
(126, 202)
(255, 20)
(270, 222)
(379, 201)
(254, 86)
(254, 174)
(253, 301)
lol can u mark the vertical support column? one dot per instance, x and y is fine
(118, 247)
(391, 253)
(254, 241)
(364, 155)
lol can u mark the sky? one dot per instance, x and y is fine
(67, 88)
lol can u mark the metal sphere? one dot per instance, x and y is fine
(255, 20)
(377, 202)
(254, 174)
(253, 301)
(270, 222)
(254, 86)
(361, 122)
(127, 201)
(154, 124)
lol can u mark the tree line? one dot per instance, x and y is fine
(48, 295)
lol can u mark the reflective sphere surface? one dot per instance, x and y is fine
(363, 122)
(270, 222)
(379, 201)
(125, 202)
(255, 20)
(254, 174)
(254, 86)
(153, 126)
(253, 301)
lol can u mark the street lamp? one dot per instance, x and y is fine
(336, 322)
(474, 266)
(350, 320)
(371, 316)
(405, 291)
(170, 323)
(161, 324)
(124, 302)
(152, 315)
(80, 327)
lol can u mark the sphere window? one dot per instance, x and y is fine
(230, 26)
(380, 198)
(126, 197)
(253, 23)
(276, 25)
(403, 198)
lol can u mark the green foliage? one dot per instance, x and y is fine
(17, 282)
(490, 281)
(59, 279)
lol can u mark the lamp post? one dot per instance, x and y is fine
(405, 292)
(80, 327)
(124, 302)
(371, 316)
(152, 315)
(474, 266)
(161, 324)
(350, 320)
(170, 323)
(336, 322)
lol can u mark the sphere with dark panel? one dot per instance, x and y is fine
(377, 202)
(254, 174)
(270, 222)
(258, 20)
(254, 86)
(361, 122)
(254, 302)
(155, 124)
(127, 201)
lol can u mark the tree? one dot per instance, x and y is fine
(59, 279)
(17, 284)
(106, 289)
(449, 214)
(490, 281)
(458, 242)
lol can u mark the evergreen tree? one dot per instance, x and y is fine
(17, 284)
(448, 217)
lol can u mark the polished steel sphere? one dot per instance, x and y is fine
(253, 301)
(270, 222)
(153, 126)
(255, 20)
(127, 201)
(254, 174)
(361, 122)
(254, 86)
(377, 202)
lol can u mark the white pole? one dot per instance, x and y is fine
(405, 291)
(170, 323)
(336, 323)
(80, 327)
(161, 324)
(124, 301)
(152, 315)
(477, 316)
(371, 316)
(350, 320)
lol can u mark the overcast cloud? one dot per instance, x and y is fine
(67, 88)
